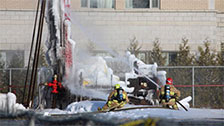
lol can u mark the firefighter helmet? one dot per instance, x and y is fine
(117, 86)
(169, 81)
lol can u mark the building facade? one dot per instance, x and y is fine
(112, 24)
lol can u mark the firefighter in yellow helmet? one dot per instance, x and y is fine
(117, 99)
(169, 94)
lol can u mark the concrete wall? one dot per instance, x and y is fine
(220, 27)
(16, 30)
(115, 29)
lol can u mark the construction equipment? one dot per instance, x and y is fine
(146, 81)
(59, 49)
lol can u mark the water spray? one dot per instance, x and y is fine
(110, 51)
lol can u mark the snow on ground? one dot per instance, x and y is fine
(91, 106)
(47, 112)
(193, 113)
(167, 113)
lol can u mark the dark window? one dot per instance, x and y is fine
(140, 3)
(84, 3)
(222, 47)
(155, 3)
(93, 3)
(97, 3)
(172, 57)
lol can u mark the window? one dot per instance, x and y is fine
(155, 3)
(142, 56)
(222, 46)
(170, 57)
(97, 3)
(2, 60)
(84, 3)
(101, 53)
(142, 3)
(222, 49)
(12, 58)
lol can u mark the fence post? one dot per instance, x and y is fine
(111, 81)
(10, 80)
(193, 86)
(96, 81)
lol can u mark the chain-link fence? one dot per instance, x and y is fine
(12, 80)
(204, 83)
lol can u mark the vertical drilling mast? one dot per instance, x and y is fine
(59, 54)
(60, 45)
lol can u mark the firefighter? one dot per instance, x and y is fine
(169, 94)
(117, 99)
(54, 93)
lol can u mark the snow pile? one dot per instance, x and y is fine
(8, 103)
(84, 106)
(75, 107)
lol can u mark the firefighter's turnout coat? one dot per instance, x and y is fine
(114, 101)
(168, 96)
